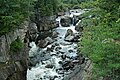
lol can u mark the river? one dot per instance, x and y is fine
(51, 68)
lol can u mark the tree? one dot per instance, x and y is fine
(45, 7)
(101, 41)
(13, 13)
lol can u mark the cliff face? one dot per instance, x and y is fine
(45, 23)
(81, 72)
(13, 65)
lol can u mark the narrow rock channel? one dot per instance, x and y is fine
(59, 58)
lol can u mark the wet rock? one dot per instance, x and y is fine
(65, 22)
(70, 51)
(49, 49)
(54, 54)
(58, 48)
(60, 68)
(67, 65)
(55, 34)
(67, 73)
(73, 55)
(60, 62)
(69, 32)
(82, 60)
(56, 44)
(69, 36)
(60, 37)
(32, 37)
(66, 43)
(53, 77)
(57, 23)
(60, 72)
(76, 61)
(76, 20)
(79, 28)
(63, 57)
(42, 43)
(49, 66)
(61, 51)
(53, 46)
(33, 62)
(57, 53)
(49, 40)
(39, 57)
(76, 37)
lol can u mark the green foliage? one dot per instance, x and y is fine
(16, 45)
(45, 7)
(89, 4)
(101, 39)
(13, 13)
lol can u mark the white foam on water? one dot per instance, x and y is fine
(33, 50)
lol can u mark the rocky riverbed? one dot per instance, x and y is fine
(57, 57)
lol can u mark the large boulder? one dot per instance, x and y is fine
(32, 29)
(68, 65)
(55, 34)
(65, 22)
(49, 66)
(42, 43)
(75, 20)
(76, 38)
(49, 40)
(69, 36)
(69, 32)
(79, 27)
(46, 23)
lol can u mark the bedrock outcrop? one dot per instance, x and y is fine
(13, 65)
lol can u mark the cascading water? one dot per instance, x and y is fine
(50, 66)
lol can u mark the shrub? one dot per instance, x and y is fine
(16, 45)
(101, 42)
(13, 13)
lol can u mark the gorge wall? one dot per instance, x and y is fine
(45, 23)
(81, 72)
(13, 65)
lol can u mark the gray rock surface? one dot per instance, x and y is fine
(79, 27)
(32, 29)
(46, 23)
(55, 34)
(42, 43)
(13, 65)
(65, 22)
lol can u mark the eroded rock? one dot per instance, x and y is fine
(55, 34)
(49, 66)
(65, 22)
